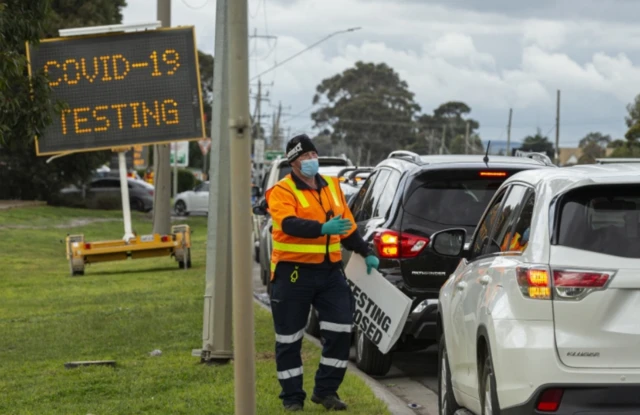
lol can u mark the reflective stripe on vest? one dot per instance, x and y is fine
(305, 249)
(301, 198)
(332, 189)
(275, 226)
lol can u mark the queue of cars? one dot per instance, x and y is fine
(524, 274)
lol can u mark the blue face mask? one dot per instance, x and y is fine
(309, 167)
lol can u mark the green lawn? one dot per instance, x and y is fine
(120, 311)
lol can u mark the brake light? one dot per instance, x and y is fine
(395, 245)
(493, 174)
(87, 246)
(534, 282)
(574, 284)
(550, 400)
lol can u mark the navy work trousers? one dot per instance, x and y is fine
(294, 289)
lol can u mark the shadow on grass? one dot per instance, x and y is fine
(89, 273)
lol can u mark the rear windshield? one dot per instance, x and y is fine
(601, 219)
(454, 201)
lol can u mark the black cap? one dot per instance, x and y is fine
(299, 145)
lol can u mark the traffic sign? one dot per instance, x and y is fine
(205, 146)
(183, 153)
(273, 154)
(122, 89)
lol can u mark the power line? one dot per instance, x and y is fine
(193, 7)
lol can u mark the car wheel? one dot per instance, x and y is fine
(313, 324)
(369, 359)
(137, 205)
(447, 404)
(181, 208)
(488, 390)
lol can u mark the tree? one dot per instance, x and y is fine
(593, 146)
(538, 143)
(26, 107)
(205, 61)
(452, 117)
(367, 107)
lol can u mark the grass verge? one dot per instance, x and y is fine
(120, 311)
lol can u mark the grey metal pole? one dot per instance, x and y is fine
(216, 331)
(466, 139)
(175, 170)
(557, 158)
(509, 132)
(240, 129)
(162, 167)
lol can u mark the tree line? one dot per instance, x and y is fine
(367, 111)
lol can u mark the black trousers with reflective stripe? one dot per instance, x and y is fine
(291, 298)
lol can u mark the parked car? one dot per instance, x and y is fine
(104, 193)
(191, 201)
(404, 202)
(352, 179)
(277, 171)
(540, 316)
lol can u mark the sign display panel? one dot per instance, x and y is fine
(122, 89)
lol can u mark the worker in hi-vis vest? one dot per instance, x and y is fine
(311, 220)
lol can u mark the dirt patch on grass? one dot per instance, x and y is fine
(74, 223)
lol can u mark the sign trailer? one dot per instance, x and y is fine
(121, 90)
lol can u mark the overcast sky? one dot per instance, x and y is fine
(491, 54)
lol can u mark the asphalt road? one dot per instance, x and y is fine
(413, 376)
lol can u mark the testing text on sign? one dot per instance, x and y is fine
(121, 89)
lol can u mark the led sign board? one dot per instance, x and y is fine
(121, 89)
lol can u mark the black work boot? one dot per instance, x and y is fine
(293, 407)
(331, 402)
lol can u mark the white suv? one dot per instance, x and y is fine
(542, 315)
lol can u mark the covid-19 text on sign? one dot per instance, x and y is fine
(121, 89)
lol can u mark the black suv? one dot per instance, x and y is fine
(406, 199)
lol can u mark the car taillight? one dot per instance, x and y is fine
(87, 246)
(534, 282)
(550, 400)
(493, 174)
(395, 245)
(165, 238)
(574, 284)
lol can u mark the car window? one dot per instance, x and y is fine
(482, 234)
(387, 194)
(373, 196)
(356, 207)
(601, 219)
(520, 231)
(451, 198)
(499, 239)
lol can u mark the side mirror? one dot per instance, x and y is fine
(450, 242)
(260, 208)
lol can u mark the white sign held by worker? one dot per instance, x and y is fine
(381, 308)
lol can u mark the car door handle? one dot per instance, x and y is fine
(461, 285)
(485, 279)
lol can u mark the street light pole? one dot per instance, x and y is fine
(329, 36)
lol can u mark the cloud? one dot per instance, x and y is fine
(502, 55)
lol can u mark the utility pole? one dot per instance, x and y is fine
(509, 132)
(216, 331)
(557, 158)
(466, 139)
(241, 246)
(161, 159)
(276, 143)
(444, 130)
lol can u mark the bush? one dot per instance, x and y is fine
(186, 180)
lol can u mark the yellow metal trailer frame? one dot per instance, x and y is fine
(177, 244)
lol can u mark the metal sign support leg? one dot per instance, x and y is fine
(124, 190)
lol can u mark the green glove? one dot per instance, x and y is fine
(336, 226)
(372, 262)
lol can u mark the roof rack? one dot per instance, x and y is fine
(541, 157)
(403, 154)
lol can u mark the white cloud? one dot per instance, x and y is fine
(443, 54)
